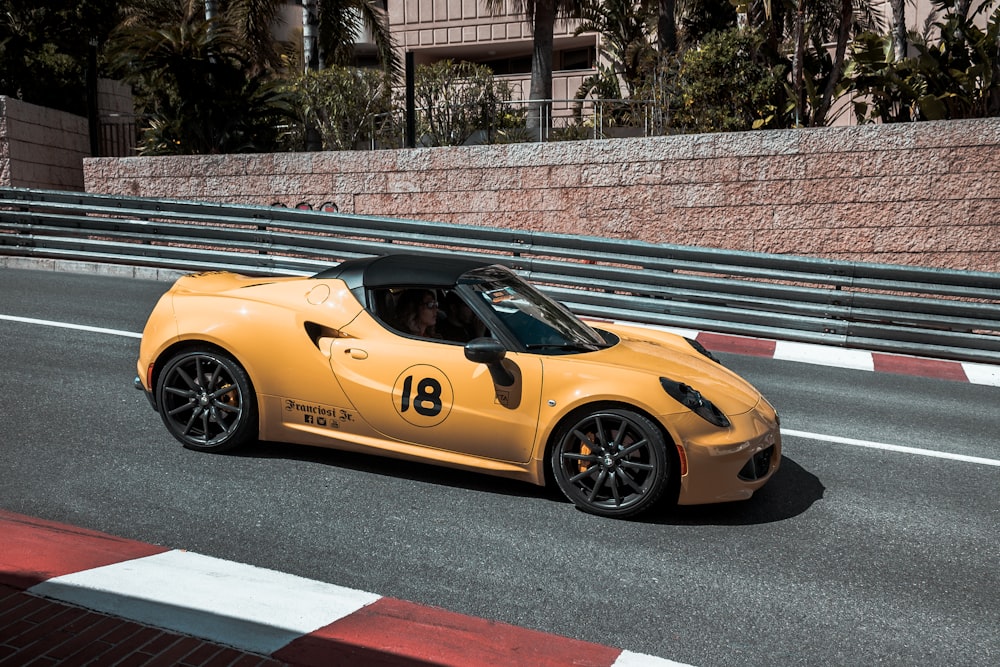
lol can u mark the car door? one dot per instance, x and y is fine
(426, 392)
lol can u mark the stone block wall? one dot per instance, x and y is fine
(41, 148)
(921, 194)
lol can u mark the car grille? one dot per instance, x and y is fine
(758, 465)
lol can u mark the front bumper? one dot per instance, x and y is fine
(721, 472)
(137, 383)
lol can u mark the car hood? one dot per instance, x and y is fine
(662, 354)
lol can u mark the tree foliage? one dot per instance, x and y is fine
(725, 84)
(248, 22)
(626, 27)
(196, 87)
(340, 20)
(45, 48)
(955, 76)
(223, 85)
(351, 107)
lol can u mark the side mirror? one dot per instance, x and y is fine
(491, 352)
(485, 351)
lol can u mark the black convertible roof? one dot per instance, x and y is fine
(401, 269)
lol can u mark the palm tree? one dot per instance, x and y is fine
(624, 26)
(899, 39)
(250, 22)
(330, 27)
(839, 20)
(809, 25)
(198, 89)
(666, 25)
(541, 14)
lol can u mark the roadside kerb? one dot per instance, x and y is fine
(291, 619)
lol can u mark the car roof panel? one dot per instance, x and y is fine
(401, 269)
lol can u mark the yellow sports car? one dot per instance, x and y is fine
(459, 363)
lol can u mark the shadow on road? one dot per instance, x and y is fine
(382, 465)
(790, 493)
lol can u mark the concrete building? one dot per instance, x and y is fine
(466, 30)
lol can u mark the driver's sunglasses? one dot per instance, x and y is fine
(430, 304)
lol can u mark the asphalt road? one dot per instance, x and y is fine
(850, 556)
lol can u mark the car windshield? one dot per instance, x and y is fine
(538, 322)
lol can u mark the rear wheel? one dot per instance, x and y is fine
(206, 401)
(611, 462)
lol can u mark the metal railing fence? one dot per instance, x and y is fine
(119, 135)
(912, 310)
(522, 121)
(586, 118)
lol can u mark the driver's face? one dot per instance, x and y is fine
(428, 311)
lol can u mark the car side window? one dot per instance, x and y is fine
(382, 304)
(457, 322)
(425, 312)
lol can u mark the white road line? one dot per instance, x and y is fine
(891, 448)
(67, 325)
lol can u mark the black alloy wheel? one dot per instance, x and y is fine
(613, 463)
(206, 401)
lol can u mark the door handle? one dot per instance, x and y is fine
(356, 353)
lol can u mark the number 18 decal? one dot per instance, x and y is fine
(422, 395)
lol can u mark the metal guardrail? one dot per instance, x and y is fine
(911, 310)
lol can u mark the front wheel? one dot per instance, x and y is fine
(612, 463)
(206, 401)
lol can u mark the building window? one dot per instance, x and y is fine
(574, 59)
(569, 59)
(515, 65)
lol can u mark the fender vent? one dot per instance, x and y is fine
(316, 331)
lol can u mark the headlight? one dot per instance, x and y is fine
(691, 398)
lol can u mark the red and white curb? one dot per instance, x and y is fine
(289, 618)
(840, 357)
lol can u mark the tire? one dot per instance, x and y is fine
(612, 463)
(206, 401)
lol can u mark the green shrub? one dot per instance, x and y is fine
(455, 101)
(724, 85)
(341, 105)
